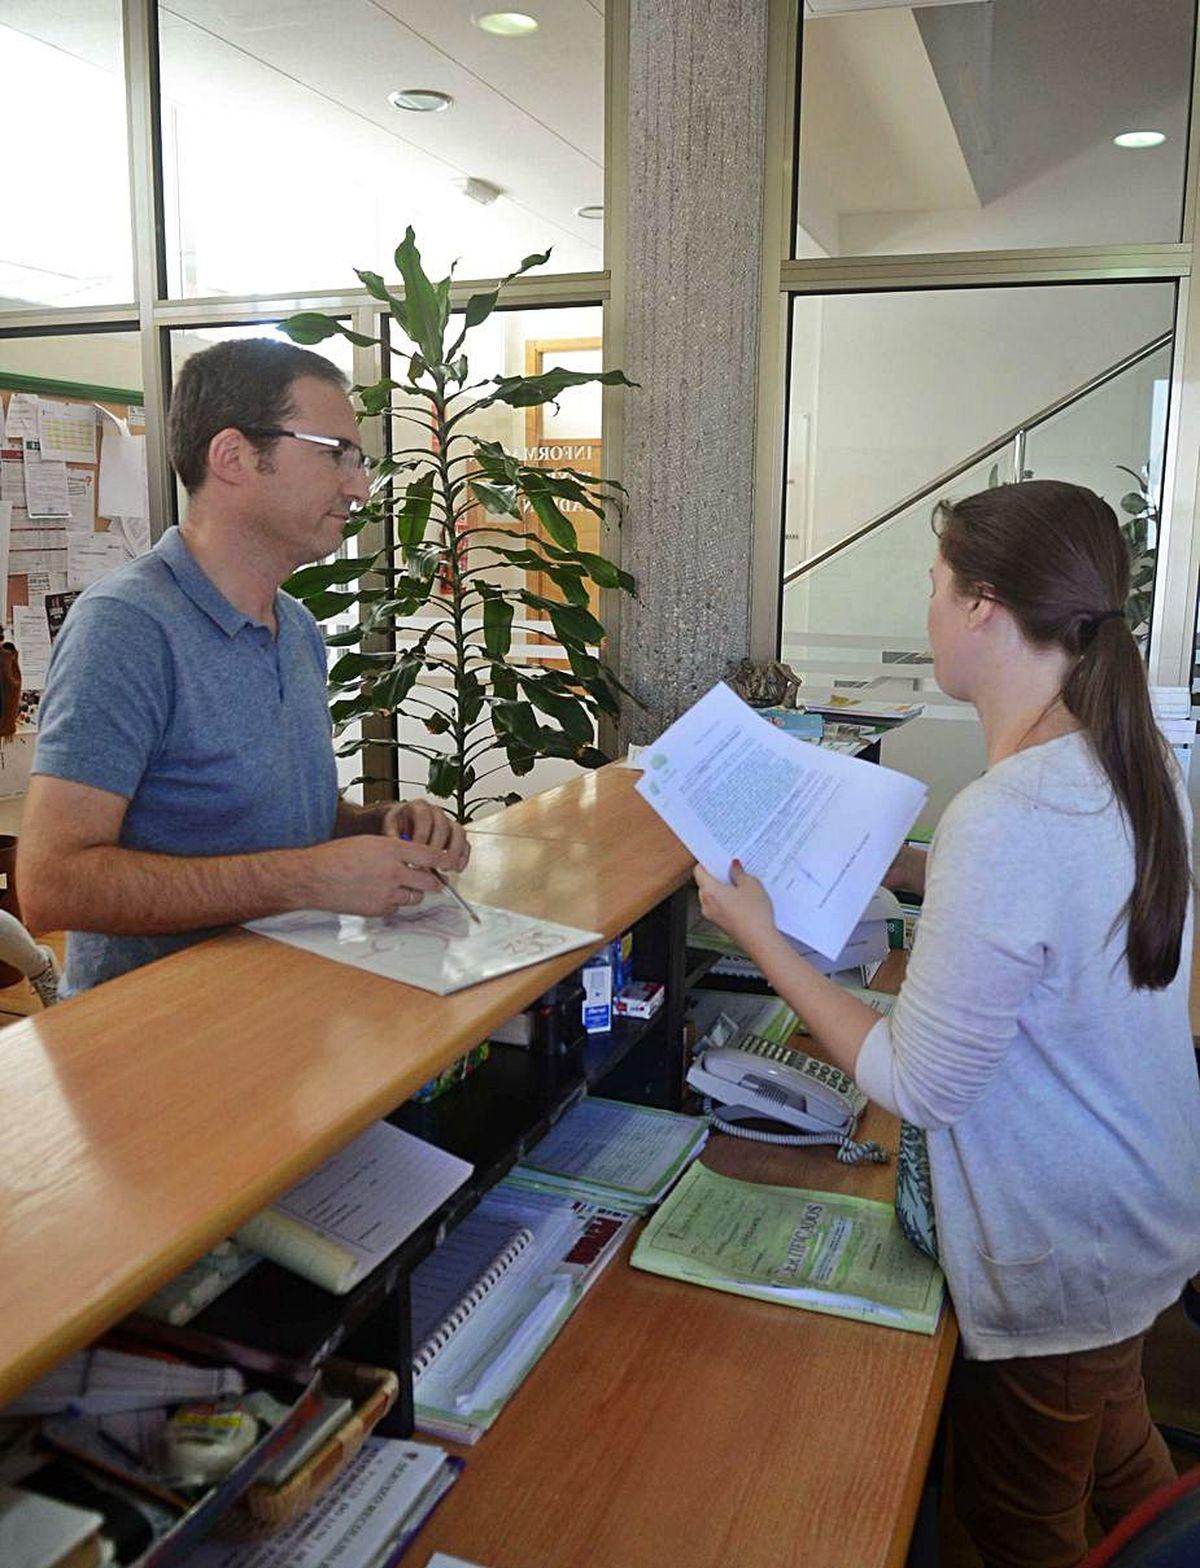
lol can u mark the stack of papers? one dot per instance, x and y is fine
(728, 1018)
(819, 1250)
(818, 829)
(492, 1297)
(629, 1155)
(867, 943)
(365, 1520)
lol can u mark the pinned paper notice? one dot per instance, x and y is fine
(45, 483)
(81, 498)
(67, 430)
(21, 419)
(92, 556)
(5, 529)
(123, 488)
(31, 633)
(135, 531)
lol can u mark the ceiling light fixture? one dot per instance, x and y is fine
(505, 24)
(594, 211)
(1140, 139)
(420, 100)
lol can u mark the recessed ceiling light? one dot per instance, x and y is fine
(505, 24)
(595, 211)
(420, 100)
(1140, 139)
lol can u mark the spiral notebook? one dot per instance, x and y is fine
(487, 1302)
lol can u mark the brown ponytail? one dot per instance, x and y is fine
(1053, 555)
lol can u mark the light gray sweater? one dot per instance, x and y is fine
(1062, 1106)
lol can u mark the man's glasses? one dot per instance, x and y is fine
(350, 457)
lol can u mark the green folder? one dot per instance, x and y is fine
(818, 1250)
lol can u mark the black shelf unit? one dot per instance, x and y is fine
(491, 1118)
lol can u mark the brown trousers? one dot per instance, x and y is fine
(1036, 1438)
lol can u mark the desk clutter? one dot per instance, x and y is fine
(132, 1452)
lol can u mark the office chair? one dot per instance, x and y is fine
(1163, 1533)
(33, 960)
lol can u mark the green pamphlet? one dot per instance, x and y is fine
(819, 1250)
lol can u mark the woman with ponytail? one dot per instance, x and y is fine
(1041, 1037)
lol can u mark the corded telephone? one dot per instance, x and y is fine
(759, 1079)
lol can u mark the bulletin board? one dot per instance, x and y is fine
(73, 504)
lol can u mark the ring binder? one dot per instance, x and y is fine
(428, 1352)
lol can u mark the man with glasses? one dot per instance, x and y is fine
(184, 777)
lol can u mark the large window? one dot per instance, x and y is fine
(990, 124)
(65, 237)
(288, 163)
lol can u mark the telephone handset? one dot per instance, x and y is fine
(759, 1079)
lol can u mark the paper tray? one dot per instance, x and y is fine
(262, 1509)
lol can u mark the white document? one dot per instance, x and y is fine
(12, 475)
(432, 945)
(123, 488)
(92, 556)
(135, 531)
(81, 498)
(45, 484)
(818, 829)
(31, 633)
(21, 419)
(349, 1214)
(67, 430)
(5, 534)
(381, 1496)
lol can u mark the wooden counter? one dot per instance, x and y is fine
(667, 1424)
(147, 1119)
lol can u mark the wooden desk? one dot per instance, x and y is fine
(670, 1424)
(145, 1120)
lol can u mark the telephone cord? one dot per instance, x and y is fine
(848, 1151)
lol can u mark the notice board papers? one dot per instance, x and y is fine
(817, 828)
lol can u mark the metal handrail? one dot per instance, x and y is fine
(1017, 434)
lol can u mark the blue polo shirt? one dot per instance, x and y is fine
(215, 730)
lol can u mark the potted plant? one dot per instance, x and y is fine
(464, 521)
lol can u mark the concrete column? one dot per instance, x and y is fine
(697, 88)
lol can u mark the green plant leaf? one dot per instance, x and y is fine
(567, 712)
(517, 719)
(573, 624)
(443, 775)
(377, 398)
(497, 626)
(529, 391)
(470, 698)
(426, 319)
(391, 689)
(603, 572)
(313, 326)
(499, 466)
(437, 723)
(324, 606)
(499, 500)
(504, 682)
(374, 285)
(1134, 503)
(559, 527)
(413, 517)
(327, 574)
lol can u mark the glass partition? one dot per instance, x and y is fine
(300, 141)
(65, 239)
(991, 124)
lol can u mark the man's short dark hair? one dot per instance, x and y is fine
(247, 381)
